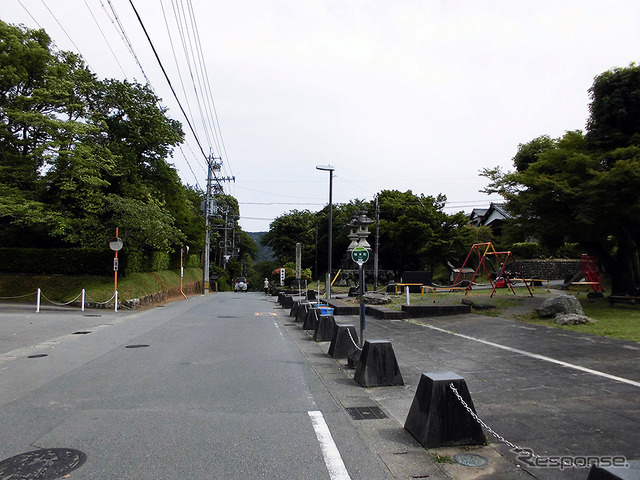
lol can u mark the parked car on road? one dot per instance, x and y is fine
(241, 284)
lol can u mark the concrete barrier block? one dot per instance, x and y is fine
(342, 345)
(378, 366)
(302, 312)
(437, 418)
(294, 308)
(325, 329)
(631, 472)
(311, 321)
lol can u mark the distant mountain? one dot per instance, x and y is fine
(265, 254)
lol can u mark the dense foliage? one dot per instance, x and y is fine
(415, 233)
(584, 188)
(81, 156)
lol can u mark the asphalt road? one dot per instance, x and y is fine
(215, 388)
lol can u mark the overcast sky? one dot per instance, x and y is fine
(395, 94)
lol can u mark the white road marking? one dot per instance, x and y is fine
(537, 356)
(332, 458)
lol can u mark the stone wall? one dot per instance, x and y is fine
(547, 269)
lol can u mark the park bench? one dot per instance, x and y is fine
(613, 299)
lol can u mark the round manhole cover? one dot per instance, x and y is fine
(470, 460)
(136, 346)
(38, 355)
(42, 464)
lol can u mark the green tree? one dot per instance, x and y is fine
(297, 226)
(580, 192)
(415, 232)
(79, 156)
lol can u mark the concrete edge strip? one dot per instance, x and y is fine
(537, 356)
(332, 458)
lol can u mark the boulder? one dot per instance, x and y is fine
(559, 305)
(371, 298)
(572, 319)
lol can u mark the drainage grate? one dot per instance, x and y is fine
(92, 315)
(38, 355)
(82, 332)
(471, 460)
(42, 464)
(226, 316)
(142, 345)
(365, 413)
(289, 324)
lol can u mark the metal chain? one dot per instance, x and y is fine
(500, 437)
(61, 304)
(19, 296)
(102, 303)
(352, 340)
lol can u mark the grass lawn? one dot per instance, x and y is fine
(621, 321)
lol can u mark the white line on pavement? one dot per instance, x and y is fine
(332, 458)
(537, 356)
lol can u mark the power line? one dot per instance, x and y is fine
(105, 38)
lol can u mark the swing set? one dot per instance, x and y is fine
(485, 251)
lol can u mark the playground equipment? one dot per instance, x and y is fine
(484, 252)
(589, 268)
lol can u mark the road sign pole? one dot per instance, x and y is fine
(362, 310)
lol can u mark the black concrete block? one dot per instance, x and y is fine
(325, 329)
(437, 418)
(302, 312)
(632, 472)
(294, 308)
(419, 311)
(342, 345)
(378, 366)
(311, 321)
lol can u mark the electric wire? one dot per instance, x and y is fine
(29, 13)
(207, 83)
(115, 21)
(65, 32)
(188, 53)
(105, 39)
(167, 78)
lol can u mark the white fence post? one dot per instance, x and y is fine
(82, 306)
(38, 301)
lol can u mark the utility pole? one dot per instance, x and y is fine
(214, 187)
(207, 232)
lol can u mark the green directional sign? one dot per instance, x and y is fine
(360, 254)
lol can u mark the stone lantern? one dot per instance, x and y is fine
(363, 228)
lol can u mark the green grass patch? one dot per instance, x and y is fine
(63, 288)
(441, 458)
(621, 321)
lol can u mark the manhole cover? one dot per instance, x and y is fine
(82, 332)
(365, 413)
(41, 464)
(38, 355)
(470, 460)
(134, 346)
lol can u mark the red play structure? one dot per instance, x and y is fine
(502, 278)
(589, 268)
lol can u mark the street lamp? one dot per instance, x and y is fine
(330, 169)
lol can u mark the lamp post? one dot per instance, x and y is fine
(330, 169)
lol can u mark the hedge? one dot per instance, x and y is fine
(88, 261)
